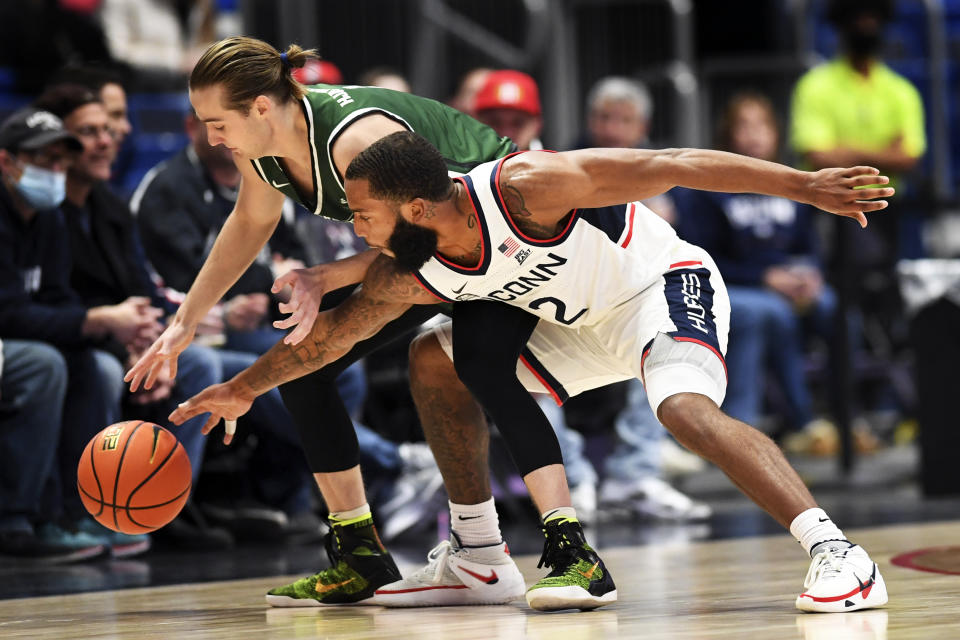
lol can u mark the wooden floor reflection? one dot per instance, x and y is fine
(740, 588)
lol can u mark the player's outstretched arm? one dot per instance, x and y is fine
(552, 184)
(244, 233)
(385, 295)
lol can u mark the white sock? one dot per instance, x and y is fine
(814, 527)
(562, 513)
(477, 525)
(342, 517)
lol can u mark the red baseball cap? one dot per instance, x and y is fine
(508, 89)
(318, 72)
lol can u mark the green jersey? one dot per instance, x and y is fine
(329, 109)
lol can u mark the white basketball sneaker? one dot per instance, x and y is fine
(842, 580)
(457, 575)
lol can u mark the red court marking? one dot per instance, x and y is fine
(914, 560)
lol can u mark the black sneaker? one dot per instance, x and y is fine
(247, 519)
(359, 565)
(578, 579)
(191, 531)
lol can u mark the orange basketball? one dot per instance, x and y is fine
(134, 477)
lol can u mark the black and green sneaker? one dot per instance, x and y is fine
(578, 579)
(359, 564)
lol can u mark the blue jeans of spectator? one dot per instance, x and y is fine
(32, 391)
(257, 341)
(765, 330)
(636, 451)
(95, 388)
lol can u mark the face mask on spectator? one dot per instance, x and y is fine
(42, 188)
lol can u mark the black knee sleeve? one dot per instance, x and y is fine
(487, 340)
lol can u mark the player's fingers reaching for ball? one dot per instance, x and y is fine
(302, 330)
(289, 321)
(229, 428)
(211, 422)
(189, 409)
(287, 279)
(155, 370)
(141, 368)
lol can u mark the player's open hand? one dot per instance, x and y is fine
(224, 401)
(309, 286)
(163, 352)
(850, 192)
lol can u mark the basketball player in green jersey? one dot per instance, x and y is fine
(296, 141)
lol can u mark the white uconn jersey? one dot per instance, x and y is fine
(601, 259)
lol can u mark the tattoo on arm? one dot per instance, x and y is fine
(385, 295)
(514, 201)
(523, 217)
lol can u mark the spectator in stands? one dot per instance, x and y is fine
(470, 83)
(180, 207)
(33, 383)
(509, 103)
(108, 265)
(38, 37)
(160, 38)
(618, 114)
(386, 77)
(855, 110)
(767, 250)
(107, 82)
(43, 319)
(318, 72)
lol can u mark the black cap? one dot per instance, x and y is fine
(32, 129)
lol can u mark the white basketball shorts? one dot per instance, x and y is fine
(672, 336)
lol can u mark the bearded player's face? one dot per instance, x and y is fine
(383, 227)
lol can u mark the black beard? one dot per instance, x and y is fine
(412, 245)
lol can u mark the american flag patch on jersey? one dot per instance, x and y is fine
(509, 247)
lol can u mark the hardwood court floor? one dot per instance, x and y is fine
(741, 588)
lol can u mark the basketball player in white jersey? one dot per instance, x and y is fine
(617, 298)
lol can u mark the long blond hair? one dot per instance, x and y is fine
(246, 68)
